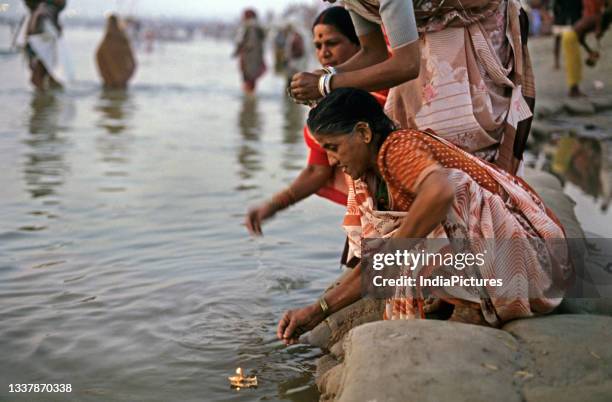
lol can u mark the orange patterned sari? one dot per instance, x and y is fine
(489, 204)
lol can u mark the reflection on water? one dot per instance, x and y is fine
(293, 121)
(45, 167)
(249, 158)
(292, 129)
(116, 110)
(578, 160)
(582, 158)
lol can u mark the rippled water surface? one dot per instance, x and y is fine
(124, 266)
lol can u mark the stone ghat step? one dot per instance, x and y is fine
(546, 359)
(546, 108)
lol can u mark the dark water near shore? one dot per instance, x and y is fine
(124, 266)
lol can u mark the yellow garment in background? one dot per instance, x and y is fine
(571, 56)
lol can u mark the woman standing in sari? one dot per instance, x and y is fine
(44, 44)
(250, 50)
(409, 184)
(460, 68)
(114, 57)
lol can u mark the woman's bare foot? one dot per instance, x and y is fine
(432, 305)
(468, 315)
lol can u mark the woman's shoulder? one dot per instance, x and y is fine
(402, 137)
(400, 144)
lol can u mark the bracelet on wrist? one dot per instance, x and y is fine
(324, 306)
(330, 70)
(328, 79)
(322, 85)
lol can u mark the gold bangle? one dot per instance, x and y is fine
(324, 305)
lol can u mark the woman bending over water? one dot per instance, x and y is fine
(413, 185)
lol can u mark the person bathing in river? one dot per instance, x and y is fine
(335, 42)
(460, 68)
(250, 50)
(42, 38)
(115, 59)
(414, 185)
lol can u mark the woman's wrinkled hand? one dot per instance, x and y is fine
(297, 322)
(305, 86)
(255, 216)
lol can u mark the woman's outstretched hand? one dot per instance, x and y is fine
(256, 215)
(305, 86)
(297, 322)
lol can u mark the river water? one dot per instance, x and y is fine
(124, 266)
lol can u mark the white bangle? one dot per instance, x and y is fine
(322, 85)
(328, 79)
(330, 70)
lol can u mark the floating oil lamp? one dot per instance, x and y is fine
(239, 380)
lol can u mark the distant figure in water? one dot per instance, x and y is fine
(294, 52)
(116, 62)
(280, 58)
(250, 50)
(41, 37)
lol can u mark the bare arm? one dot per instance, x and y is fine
(373, 51)
(582, 27)
(310, 180)
(403, 66)
(430, 207)
(305, 319)
(434, 198)
(399, 22)
(370, 69)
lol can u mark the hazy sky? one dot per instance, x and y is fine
(160, 8)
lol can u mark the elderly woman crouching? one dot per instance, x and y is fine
(409, 184)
